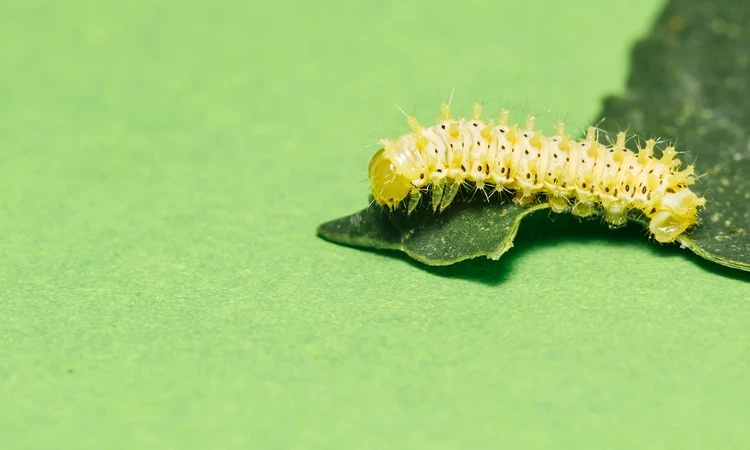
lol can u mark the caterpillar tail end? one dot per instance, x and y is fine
(666, 226)
(678, 212)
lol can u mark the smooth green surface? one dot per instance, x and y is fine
(163, 167)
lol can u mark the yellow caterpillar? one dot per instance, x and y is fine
(580, 176)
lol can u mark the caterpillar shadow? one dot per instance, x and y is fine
(545, 229)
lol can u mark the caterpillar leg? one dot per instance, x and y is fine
(450, 194)
(414, 198)
(437, 194)
(558, 203)
(523, 198)
(583, 209)
(616, 215)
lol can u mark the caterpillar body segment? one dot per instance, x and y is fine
(581, 176)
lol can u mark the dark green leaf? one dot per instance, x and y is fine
(466, 230)
(690, 80)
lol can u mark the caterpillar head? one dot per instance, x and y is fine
(389, 186)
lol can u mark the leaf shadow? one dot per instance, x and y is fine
(480, 270)
(546, 229)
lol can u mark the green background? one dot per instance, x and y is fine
(163, 166)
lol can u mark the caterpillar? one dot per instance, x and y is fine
(583, 176)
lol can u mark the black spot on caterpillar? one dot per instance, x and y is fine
(403, 170)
